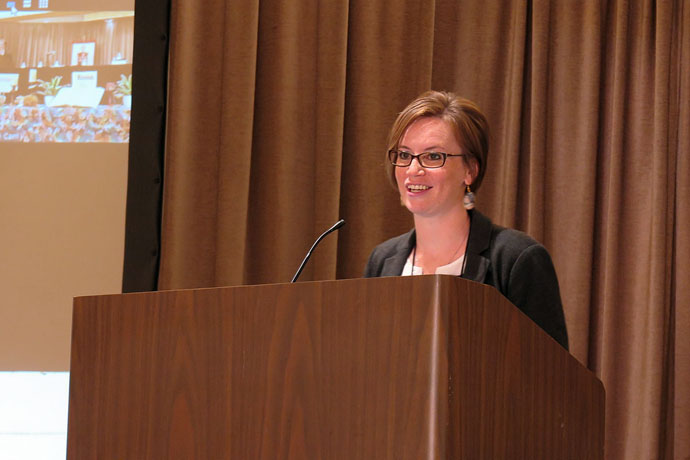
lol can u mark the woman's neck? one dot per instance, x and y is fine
(441, 239)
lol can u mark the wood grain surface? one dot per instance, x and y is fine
(390, 368)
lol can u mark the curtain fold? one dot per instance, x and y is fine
(677, 420)
(297, 143)
(278, 118)
(634, 264)
(190, 196)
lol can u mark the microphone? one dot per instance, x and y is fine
(335, 227)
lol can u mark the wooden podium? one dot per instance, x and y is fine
(431, 367)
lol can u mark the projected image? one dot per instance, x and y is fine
(65, 75)
(82, 53)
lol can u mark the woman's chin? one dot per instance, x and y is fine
(428, 209)
(418, 209)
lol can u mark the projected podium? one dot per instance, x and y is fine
(431, 367)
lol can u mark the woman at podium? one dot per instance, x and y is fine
(437, 152)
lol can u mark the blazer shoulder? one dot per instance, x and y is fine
(510, 241)
(512, 253)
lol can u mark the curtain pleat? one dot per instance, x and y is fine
(235, 163)
(677, 420)
(634, 224)
(298, 132)
(190, 198)
(278, 118)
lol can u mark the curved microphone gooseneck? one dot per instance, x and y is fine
(335, 227)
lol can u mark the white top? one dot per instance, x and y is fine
(454, 268)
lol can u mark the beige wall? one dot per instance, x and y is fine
(62, 214)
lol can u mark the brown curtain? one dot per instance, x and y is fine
(278, 116)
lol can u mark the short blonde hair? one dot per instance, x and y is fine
(464, 117)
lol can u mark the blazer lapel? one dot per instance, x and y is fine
(393, 266)
(476, 265)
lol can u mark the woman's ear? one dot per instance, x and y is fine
(472, 172)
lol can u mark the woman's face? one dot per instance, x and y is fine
(432, 192)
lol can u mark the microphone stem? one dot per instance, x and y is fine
(335, 227)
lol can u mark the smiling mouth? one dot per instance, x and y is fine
(417, 187)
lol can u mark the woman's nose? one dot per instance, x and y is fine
(415, 168)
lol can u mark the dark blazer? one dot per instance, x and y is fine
(511, 261)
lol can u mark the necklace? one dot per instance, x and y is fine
(464, 257)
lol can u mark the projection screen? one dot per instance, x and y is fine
(65, 105)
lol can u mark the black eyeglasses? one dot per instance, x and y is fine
(404, 158)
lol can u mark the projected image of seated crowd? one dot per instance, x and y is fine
(66, 71)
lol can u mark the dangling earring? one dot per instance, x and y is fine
(468, 199)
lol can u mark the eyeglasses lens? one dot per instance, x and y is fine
(426, 159)
(431, 159)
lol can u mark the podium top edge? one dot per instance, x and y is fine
(421, 278)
